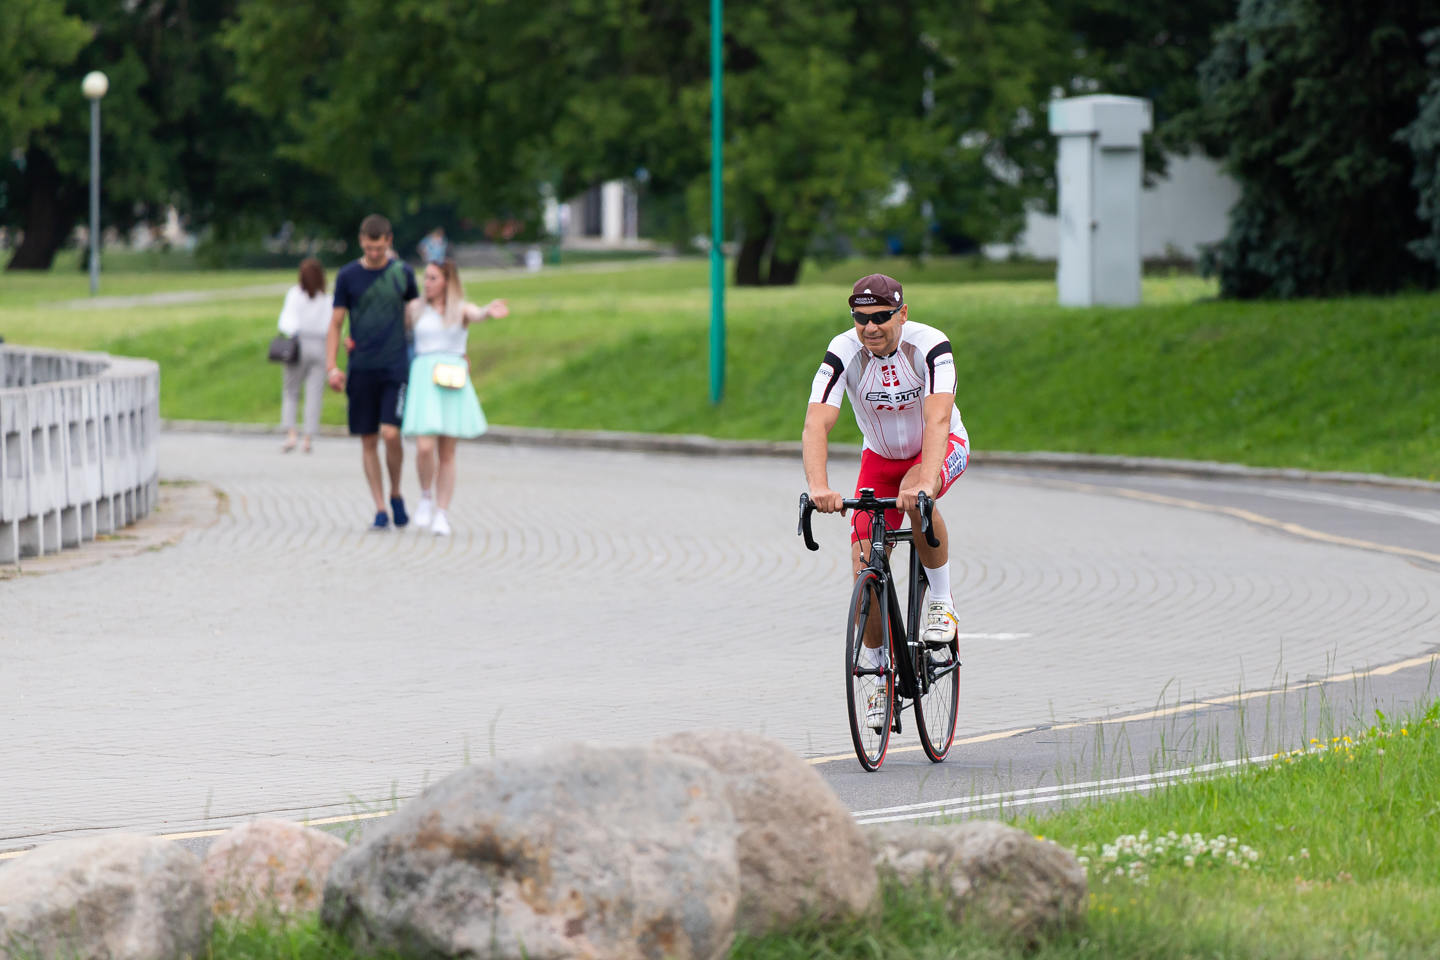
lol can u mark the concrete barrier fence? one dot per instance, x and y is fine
(77, 447)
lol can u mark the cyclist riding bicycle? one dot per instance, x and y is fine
(900, 378)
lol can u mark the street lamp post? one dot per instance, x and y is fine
(94, 87)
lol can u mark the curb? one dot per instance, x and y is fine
(701, 446)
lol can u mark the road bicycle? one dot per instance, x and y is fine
(910, 671)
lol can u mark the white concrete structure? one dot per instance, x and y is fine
(1100, 168)
(1186, 209)
(605, 216)
(77, 447)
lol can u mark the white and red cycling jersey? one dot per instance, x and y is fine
(888, 393)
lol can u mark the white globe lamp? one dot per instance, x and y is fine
(95, 85)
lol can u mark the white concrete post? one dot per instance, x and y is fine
(612, 211)
(1100, 170)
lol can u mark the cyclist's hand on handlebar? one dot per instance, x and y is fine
(908, 497)
(826, 500)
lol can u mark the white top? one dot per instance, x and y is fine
(304, 315)
(432, 336)
(887, 393)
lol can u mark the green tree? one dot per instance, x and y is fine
(1307, 97)
(406, 103)
(842, 117)
(39, 41)
(1423, 138)
(1150, 50)
(169, 135)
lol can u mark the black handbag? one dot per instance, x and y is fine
(284, 349)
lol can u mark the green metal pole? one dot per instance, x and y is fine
(717, 209)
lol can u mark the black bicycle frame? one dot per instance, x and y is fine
(909, 683)
(906, 627)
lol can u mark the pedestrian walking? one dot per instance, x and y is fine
(433, 247)
(441, 408)
(306, 317)
(373, 291)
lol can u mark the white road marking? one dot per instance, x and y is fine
(955, 806)
(1361, 504)
(993, 636)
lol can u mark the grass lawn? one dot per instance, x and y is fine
(1342, 384)
(1329, 851)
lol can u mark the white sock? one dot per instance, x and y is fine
(939, 579)
(870, 658)
(425, 495)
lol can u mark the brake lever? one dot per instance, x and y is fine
(926, 504)
(807, 507)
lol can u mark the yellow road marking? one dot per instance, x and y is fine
(1249, 516)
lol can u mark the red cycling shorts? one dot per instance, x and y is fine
(884, 476)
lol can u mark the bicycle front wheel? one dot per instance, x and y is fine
(938, 675)
(868, 683)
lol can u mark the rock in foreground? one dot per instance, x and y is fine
(580, 852)
(116, 897)
(988, 872)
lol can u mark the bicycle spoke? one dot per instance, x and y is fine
(937, 708)
(865, 680)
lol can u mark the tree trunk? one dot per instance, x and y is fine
(783, 273)
(747, 264)
(51, 206)
(759, 237)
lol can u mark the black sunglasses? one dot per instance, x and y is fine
(879, 318)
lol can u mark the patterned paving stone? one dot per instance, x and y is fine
(284, 659)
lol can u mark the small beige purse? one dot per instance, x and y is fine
(449, 375)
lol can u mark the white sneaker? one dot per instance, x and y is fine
(941, 624)
(875, 710)
(440, 526)
(424, 513)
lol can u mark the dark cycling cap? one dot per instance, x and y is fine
(875, 290)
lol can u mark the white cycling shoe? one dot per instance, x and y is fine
(875, 710)
(424, 514)
(941, 624)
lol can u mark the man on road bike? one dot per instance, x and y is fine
(900, 378)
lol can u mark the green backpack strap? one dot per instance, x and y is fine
(396, 271)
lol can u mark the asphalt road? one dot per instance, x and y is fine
(282, 661)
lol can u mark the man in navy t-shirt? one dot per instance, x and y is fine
(374, 291)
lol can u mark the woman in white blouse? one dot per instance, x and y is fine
(306, 315)
(440, 403)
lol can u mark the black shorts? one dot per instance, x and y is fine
(376, 397)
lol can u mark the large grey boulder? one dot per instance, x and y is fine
(271, 868)
(116, 897)
(801, 853)
(988, 872)
(612, 853)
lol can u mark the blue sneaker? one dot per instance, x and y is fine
(381, 521)
(397, 507)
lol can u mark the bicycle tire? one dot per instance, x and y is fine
(867, 600)
(941, 701)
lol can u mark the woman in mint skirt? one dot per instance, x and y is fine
(440, 403)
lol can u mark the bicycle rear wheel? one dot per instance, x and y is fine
(864, 681)
(937, 708)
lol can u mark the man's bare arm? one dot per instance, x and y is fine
(820, 419)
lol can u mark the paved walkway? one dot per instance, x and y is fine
(285, 660)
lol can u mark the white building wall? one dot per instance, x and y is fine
(1189, 207)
